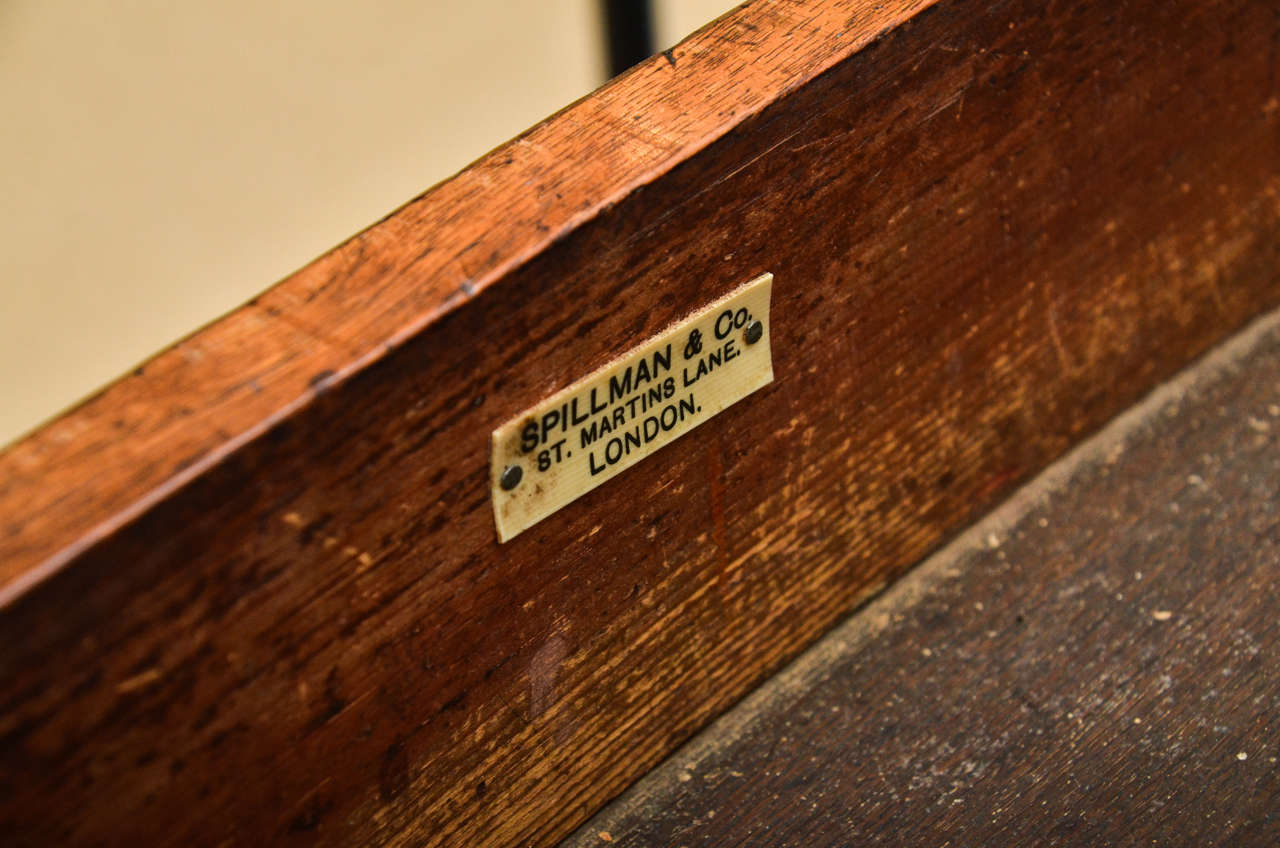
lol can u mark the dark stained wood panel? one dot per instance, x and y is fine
(254, 592)
(1093, 664)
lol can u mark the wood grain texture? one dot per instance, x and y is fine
(1092, 664)
(76, 480)
(255, 591)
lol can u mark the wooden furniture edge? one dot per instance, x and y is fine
(102, 464)
(990, 231)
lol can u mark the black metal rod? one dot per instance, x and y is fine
(629, 32)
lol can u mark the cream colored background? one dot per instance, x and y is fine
(165, 161)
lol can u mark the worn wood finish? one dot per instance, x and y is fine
(1094, 664)
(255, 590)
(77, 480)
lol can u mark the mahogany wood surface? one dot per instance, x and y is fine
(253, 591)
(1092, 664)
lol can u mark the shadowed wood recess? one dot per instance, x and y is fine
(1092, 664)
(253, 591)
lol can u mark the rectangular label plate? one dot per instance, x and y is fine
(606, 422)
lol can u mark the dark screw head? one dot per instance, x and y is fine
(754, 331)
(510, 477)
